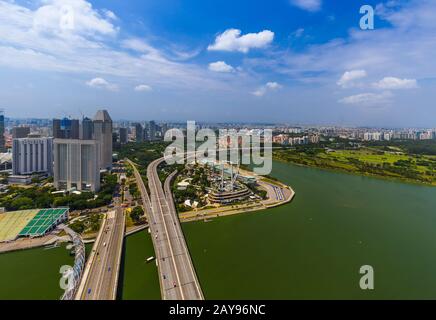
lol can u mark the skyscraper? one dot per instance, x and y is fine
(66, 128)
(32, 155)
(152, 130)
(2, 131)
(139, 132)
(77, 164)
(123, 136)
(87, 129)
(103, 134)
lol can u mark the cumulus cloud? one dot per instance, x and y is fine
(392, 83)
(232, 40)
(269, 86)
(309, 5)
(220, 66)
(348, 78)
(39, 37)
(143, 88)
(368, 99)
(101, 83)
(72, 16)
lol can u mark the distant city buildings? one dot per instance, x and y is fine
(77, 164)
(66, 128)
(20, 132)
(81, 151)
(32, 155)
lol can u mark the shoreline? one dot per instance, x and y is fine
(366, 175)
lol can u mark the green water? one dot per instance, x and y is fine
(314, 247)
(32, 274)
(139, 279)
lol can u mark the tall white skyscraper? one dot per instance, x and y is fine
(32, 155)
(77, 164)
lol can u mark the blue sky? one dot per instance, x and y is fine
(295, 61)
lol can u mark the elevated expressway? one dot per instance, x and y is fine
(100, 279)
(178, 280)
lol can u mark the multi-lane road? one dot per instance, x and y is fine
(100, 279)
(178, 279)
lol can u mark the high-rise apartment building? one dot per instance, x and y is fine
(77, 164)
(32, 155)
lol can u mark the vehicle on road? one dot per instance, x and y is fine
(104, 244)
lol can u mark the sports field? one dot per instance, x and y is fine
(12, 223)
(42, 222)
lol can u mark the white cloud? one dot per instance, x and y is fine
(101, 83)
(89, 47)
(348, 78)
(309, 5)
(392, 83)
(231, 40)
(143, 88)
(71, 16)
(220, 66)
(110, 15)
(298, 33)
(368, 99)
(269, 86)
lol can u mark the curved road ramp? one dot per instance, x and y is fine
(177, 277)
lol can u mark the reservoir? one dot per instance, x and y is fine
(33, 274)
(311, 248)
(314, 247)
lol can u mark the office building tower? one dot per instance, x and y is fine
(32, 155)
(139, 132)
(103, 134)
(20, 132)
(123, 135)
(2, 132)
(151, 131)
(66, 128)
(87, 129)
(76, 164)
(57, 133)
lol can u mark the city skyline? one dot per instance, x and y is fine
(307, 61)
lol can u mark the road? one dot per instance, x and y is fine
(177, 275)
(101, 280)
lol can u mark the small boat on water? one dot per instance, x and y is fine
(150, 259)
(52, 246)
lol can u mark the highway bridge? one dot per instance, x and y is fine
(177, 277)
(100, 279)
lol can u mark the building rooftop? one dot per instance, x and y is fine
(102, 115)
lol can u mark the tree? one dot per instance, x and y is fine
(22, 203)
(137, 214)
